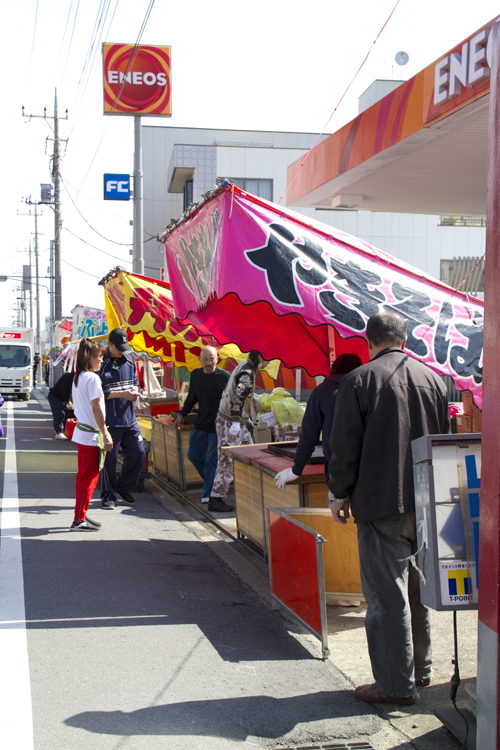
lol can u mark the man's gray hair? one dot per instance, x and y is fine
(386, 328)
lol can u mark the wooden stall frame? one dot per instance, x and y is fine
(176, 475)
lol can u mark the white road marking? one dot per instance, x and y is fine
(16, 718)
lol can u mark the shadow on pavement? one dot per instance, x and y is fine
(96, 583)
(260, 716)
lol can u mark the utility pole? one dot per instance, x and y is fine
(29, 202)
(138, 259)
(56, 178)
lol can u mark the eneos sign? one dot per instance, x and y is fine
(137, 80)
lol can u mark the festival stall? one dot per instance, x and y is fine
(262, 277)
(143, 308)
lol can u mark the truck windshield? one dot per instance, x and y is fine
(14, 356)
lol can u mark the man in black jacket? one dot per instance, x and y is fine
(382, 406)
(318, 419)
(205, 389)
(59, 398)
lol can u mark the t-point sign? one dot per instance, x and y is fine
(116, 187)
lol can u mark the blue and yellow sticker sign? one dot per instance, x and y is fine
(456, 583)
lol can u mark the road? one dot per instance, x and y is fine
(153, 632)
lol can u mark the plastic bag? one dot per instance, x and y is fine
(286, 408)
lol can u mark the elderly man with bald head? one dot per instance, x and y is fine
(206, 387)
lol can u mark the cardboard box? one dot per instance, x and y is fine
(263, 436)
(269, 418)
(477, 420)
(290, 432)
(471, 410)
(464, 424)
(468, 403)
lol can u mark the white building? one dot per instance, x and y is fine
(181, 164)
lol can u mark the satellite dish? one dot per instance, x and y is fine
(402, 58)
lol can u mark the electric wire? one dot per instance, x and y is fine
(80, 269)
(64, 35)
(137, 42)
(94, 64)
(70, 43)
(32, 43)
(95, 247)
(123, 244)
(99, 203)
(340, 101)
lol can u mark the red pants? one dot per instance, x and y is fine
(86, 479)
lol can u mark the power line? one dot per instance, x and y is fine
(94, 246)
(123, 244)
(32, 42)
(70, 40)
(80, 269)
(137, 42)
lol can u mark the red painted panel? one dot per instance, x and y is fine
(294, 569)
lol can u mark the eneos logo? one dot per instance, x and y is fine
(136, 80)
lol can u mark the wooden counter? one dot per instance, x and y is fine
(169, 459)
(254, 470)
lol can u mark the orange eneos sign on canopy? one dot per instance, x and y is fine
(137, 80)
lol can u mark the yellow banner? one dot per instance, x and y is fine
(144, 309)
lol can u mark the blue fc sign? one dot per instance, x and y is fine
(116, 187)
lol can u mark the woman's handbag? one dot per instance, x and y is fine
(70, 428)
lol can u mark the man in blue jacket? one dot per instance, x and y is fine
(120, 386)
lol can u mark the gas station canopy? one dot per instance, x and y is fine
(420, 149)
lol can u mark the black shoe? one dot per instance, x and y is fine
(97, 524)
(127, 497)
(83, 526)
(108, 503)
(217, 505)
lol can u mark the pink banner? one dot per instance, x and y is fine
(308, 272)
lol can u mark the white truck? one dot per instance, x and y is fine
(17, 351)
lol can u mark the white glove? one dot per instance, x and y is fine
(283, 477)
(234, 430)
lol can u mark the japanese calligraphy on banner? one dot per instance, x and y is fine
(143, 308)
(246, 268)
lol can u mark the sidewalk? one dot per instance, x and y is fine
(230, 670)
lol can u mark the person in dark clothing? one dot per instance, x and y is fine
(120, 386)
(205, 389)
(59, 398)
(36, 362)
(318, 419)
(381, 407)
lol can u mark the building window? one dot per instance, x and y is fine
(462, 221)
(188, 194)
(453, 272)
(260, 188)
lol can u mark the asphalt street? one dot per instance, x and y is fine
(153, 632)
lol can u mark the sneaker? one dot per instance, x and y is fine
(97, 524)
(217, 505)
(60, 436)
(127, 497)
(205, 499)
(83, 526)
(106, 502)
